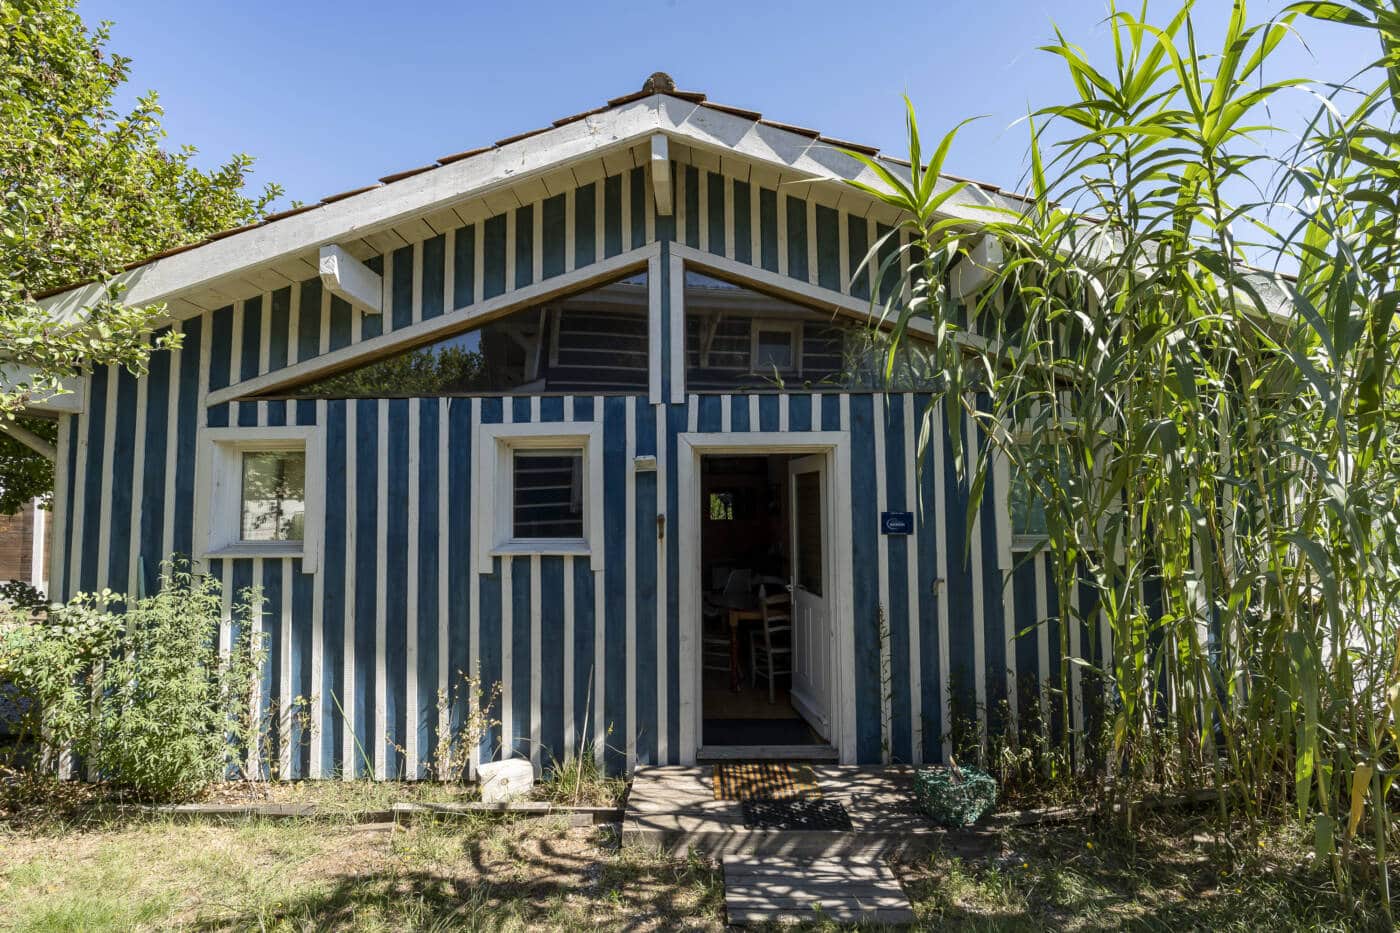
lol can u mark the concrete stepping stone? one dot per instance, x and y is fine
(777, 890)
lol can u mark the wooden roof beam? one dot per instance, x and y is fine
(661, 173)
(347, 277)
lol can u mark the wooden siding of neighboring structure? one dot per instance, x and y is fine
(397, 607)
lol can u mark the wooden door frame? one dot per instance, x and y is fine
(836, 446)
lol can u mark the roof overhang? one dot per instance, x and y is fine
(726, 132)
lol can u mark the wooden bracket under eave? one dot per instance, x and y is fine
(661, 173)
(347, 277)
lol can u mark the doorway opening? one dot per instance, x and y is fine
(766, 637)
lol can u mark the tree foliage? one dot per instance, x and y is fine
(1214, 445)
(86, 190)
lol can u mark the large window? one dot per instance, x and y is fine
(739, 338)
(548, 494)
(592, 341)
(272, 503)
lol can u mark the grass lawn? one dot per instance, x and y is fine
(490, 873)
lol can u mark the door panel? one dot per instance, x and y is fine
(811, 618)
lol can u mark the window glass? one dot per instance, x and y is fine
(774, 351)
(593, 341)
(273, 500)
(548, 494)
(1027, 510)
(722, 506)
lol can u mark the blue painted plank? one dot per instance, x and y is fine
(930, 512)
(552, 653)
(692, 207)
(97, 461)
(368, 572)
(612, 215)
(828, 234)
(220, 347)
(768, 229)
(489, 636)
(461, 563)
(66, 587)
(901, 616)
(739, 414)
(341, 313)
(797, 237)
(521, 670)
(743, 223)
(961, 657)
(272, 623)
(493, 245)
(430, 512)
(552, 408)
(159, 434)
(524, 245)
(585, 225)
(309, 319)
(857, 244)
(676, 420)
(401, 291)
(639, 196)
(434, 274)
(278, 320)
(768, 413)
(464, 267)
(123, 455)
(715, 213)
(864, 540)
(394, 579)
(334, 601)
(187, 418)
(581, 655)
(645, 577)
(304, 692)
(553, 233)
(799, 412)
(708, 418)
(615, 594)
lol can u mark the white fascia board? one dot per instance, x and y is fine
(620, 127)
(351, 279)
(68, 402)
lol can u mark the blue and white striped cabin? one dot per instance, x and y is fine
(409, 566)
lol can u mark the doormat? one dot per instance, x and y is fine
(765, 780)
(796, 814)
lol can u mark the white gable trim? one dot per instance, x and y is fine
(366, 214)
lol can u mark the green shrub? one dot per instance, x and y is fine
(144, 695)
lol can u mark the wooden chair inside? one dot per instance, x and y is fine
(770, 646)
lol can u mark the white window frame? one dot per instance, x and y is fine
(219, 488)
(794, 331)
(494, 483)
(1019, 543)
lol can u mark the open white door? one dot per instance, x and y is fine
(810, 583)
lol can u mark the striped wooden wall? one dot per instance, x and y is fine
(583, 657)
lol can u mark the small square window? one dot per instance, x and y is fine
(272, 499)
(548, 494)
(773, 349)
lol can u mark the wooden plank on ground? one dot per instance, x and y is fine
(775, 890)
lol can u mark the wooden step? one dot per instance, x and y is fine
(780, 890)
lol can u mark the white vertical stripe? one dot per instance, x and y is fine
(811, 242)
(882, 555)
(783, 413)
(293, 322)
(449, 271)
(325, 344)
(265, 335)
(626, 210)
(138, 490)
(58, 542)
(412, 713)
(386, 316)
(348, 751)
(915, 620)
(172, 442)
(678, 184)
(538, 674)
(1076, 650)
(317, 685)
(104, 515)
(381, 598)
(417, 286)
(600, 725)
(650, 208)
(1006, 560)
(511, 234)
(873, 266)
(444, 512)
(940, 536)
(755, 417)
(654, 325)
(599, 226)
(755, 226)
(630, 512)
(725, 404)
(284, 694)
(663, 670)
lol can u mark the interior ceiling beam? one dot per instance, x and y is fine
(347, 277)
(661, 173)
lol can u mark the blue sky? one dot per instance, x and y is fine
(330, 96)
